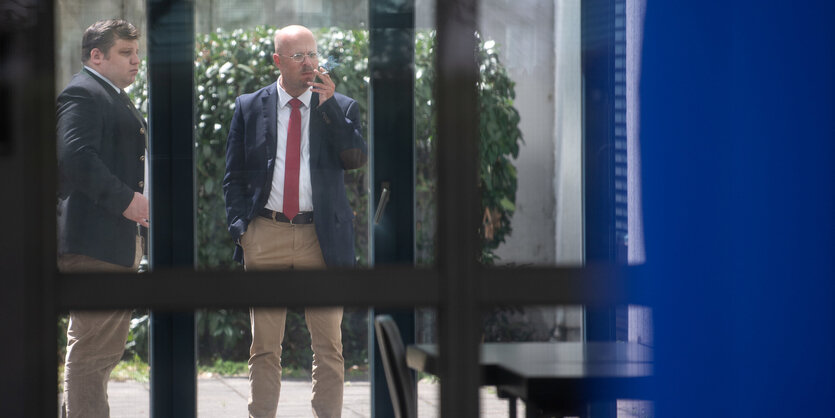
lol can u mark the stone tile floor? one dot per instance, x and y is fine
(221, 397)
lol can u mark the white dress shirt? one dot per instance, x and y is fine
(118, 90)
(276, 199)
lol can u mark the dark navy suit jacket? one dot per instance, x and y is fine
(101, 163)
(336, 145)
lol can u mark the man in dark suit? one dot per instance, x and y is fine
(288, 147)
(101, 164)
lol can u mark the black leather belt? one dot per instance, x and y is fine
(301, 218)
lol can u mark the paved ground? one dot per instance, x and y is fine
(222, 397)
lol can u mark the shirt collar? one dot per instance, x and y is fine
(118, 90)
(284, 97)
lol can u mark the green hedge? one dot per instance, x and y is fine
(228, 64)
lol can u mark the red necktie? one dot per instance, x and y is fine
(292, 161)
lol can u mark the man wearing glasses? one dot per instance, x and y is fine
(289, 144)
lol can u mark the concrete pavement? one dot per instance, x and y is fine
(223, 397)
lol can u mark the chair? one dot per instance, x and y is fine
(400, 381)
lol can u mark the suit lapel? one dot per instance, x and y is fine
(269, 109)
(315, 129)
(120, 100)
(133, 109)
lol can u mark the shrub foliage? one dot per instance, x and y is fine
(228, 64)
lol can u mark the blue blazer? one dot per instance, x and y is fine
(336, 145)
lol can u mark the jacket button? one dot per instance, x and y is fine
(142, 131)
(142, 157)
(141, 184)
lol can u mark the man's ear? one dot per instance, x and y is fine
(96, 56)
(276, 59)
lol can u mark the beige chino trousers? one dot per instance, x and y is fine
(95, 343)
(272, 245)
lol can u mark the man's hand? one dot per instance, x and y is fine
(326, 87)
(137, 210)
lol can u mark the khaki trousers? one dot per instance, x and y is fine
(272, 245)
(95, 343)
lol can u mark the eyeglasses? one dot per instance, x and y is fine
(299, 57)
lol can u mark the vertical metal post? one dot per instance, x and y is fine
(170, 65)
(459, 323)
(28, 173)
(604, 142)
(391, 107)
(604, 243)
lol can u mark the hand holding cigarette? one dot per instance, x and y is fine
(326, 87)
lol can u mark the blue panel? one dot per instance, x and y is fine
(737, 125)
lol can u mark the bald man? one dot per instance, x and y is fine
(288, 147)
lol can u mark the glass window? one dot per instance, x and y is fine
(102, 205)
(531, 134)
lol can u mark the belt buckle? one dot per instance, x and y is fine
(291, 220)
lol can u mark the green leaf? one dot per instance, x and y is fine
(507, 205)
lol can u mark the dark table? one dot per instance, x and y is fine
(556, 378)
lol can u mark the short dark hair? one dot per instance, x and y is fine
(103, 35)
